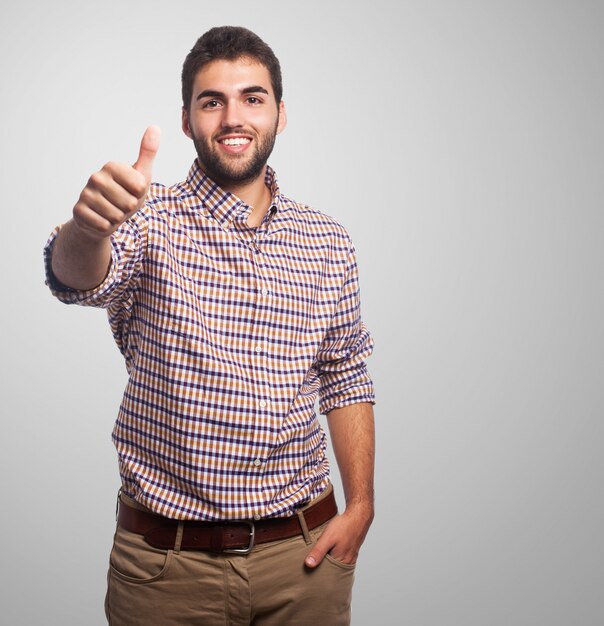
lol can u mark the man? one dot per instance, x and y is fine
(234, 307)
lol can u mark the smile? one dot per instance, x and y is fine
(234, 141)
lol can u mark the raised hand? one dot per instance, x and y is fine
(82, 251)
(116, 191)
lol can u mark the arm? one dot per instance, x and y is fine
(346, 397)
(352, 432)
(82, 251)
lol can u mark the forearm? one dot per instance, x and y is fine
(78, 260)
(353, 439)
(352, 434)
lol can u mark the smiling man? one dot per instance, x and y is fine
(233, 118)
(235, 308)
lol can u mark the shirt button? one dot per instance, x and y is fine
(257, 462)
(258, 349)
(257, 517)
(262, 403)
(265, 292)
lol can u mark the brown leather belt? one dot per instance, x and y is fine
(237, 536)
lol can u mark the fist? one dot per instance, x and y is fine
(117, 191)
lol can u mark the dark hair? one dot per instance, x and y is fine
(229, 43)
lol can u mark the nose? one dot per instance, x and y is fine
(232, 115)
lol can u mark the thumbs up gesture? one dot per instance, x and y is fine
(116, 191)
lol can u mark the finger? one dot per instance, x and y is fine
(320, 549)
(133, 181)
(121, 198)
(106, 209)
(91, 222)
(147, 152)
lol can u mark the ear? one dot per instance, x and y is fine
(186, 129)
(282, 117)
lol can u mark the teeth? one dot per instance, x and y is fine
(235, 141)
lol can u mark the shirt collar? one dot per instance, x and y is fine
(223, 205)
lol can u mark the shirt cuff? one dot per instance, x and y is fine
(346, 387)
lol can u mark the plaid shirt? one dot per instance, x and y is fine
(229, 335)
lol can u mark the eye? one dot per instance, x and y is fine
(254, 100)
(211, 104)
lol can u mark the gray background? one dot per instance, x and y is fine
(461, 143)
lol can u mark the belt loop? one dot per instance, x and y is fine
(117, 502)
(178, 541)
(304, 527)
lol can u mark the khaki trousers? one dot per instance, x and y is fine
(271, 586)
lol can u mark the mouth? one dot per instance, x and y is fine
(235, 144)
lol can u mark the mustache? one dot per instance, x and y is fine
(234, 131)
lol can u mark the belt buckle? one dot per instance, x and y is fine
(250, 545)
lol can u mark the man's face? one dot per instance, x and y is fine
(233, 120)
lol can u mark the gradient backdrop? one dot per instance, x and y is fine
(461, 143)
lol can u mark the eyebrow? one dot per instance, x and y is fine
(211, 93)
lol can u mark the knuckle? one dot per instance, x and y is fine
(86, 195)
(79, 211)
(131, 205)
(139, 185)
(114, 218)
(89, 196)
(95, 181)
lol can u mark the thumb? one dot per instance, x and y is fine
(317, 554)
(147, 152)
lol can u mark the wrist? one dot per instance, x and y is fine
(362, 509)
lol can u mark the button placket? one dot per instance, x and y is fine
(261, 336)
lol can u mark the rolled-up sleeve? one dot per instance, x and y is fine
(128, 244)
(347, 343)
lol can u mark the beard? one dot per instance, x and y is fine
(237, 169)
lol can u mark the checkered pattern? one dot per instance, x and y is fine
(230, 334)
